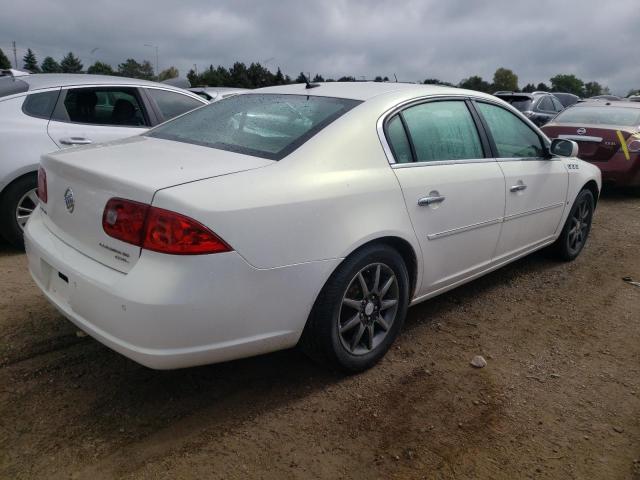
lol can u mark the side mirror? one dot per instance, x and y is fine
(561, 147)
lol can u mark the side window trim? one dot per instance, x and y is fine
(543, 142)
(60, 112)
(485, 140)
(154, 115)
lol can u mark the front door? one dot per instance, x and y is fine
(453, 190)
(535, 184)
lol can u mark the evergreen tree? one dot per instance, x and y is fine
(132, 69)
(100, 68)
(279, 78)
(318, 78)
(49, 65)
(542, 87)
(71, 64)
(528, 88)
(475, 82)
(29, 62)
(4, 61)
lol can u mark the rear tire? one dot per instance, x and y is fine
(353, 324)
(11, 197)
(576, 229)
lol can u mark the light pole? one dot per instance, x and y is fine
(157, 68)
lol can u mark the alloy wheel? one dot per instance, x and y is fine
(25, 207)
(369, 308)
(580, 224)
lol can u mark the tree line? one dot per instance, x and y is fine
(256, 75)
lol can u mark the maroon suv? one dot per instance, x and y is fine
(608, 134)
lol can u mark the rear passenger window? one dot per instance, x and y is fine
(102, 106)
(443, 131)
(513, 137)
(399, 141)
(546, 104)
(172, 104)
(40, 105)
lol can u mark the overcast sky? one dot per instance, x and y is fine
(445, 39)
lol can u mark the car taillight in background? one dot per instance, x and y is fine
(159, 230)
(42, 185)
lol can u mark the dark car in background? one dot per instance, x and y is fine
(566, 99)
(608, 135)
(539, 107)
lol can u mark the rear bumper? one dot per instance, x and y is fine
(620, 171)
(176, 311)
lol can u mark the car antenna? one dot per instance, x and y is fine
(396, 77)
(309, 85)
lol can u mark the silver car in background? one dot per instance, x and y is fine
(213, 94)
(46, 112)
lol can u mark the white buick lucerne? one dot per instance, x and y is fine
(303, 214)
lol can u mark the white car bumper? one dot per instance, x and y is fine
(176, 311)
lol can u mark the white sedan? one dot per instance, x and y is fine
(312, 215)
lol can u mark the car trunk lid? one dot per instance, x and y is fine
(80, 181)
(597, 144)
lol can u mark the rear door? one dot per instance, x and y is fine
(453, 189)
(536, 185)
(85, 115)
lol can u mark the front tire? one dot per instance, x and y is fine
(18, 201)
(577, 227)
(360, 311)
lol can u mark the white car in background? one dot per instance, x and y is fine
(313, 214)
(44, 112)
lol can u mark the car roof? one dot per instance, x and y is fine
(217, 89)
(355, 90)
(48, 80)
(515, 94)
(607, 103)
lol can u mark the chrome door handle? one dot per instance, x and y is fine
(75, 141)
(425, 201)
(518, 188)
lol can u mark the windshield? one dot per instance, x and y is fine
(263, 125)
(623, 116)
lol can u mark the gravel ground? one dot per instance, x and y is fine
(559, 397)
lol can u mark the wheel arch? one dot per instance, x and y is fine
(592, 186)
(406, 251)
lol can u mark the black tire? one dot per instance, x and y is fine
(567, 247)
(321, 339)
(9, 227)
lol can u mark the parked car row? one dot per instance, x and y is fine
(303, 214)
(44, 112)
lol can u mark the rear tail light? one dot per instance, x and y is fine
(634, 143)
(42, 185)
(159, 230)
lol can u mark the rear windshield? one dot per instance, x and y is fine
(520, 103)
(10, 85)
(622, 116)
(263, 125)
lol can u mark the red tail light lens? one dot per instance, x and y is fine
(159, 230)
(124, 220)
(42, 185)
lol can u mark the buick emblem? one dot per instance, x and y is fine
(69, 201)
(581, 131)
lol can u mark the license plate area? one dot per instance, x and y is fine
(57, 282)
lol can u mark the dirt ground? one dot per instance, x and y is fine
(559, 398)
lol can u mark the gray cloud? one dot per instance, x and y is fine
(415, 39)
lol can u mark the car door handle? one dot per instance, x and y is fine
(75, 141)
(430, 200)
(518, 188)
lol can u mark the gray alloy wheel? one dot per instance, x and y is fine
(369, 308)
(25, 207)
(579, 227)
